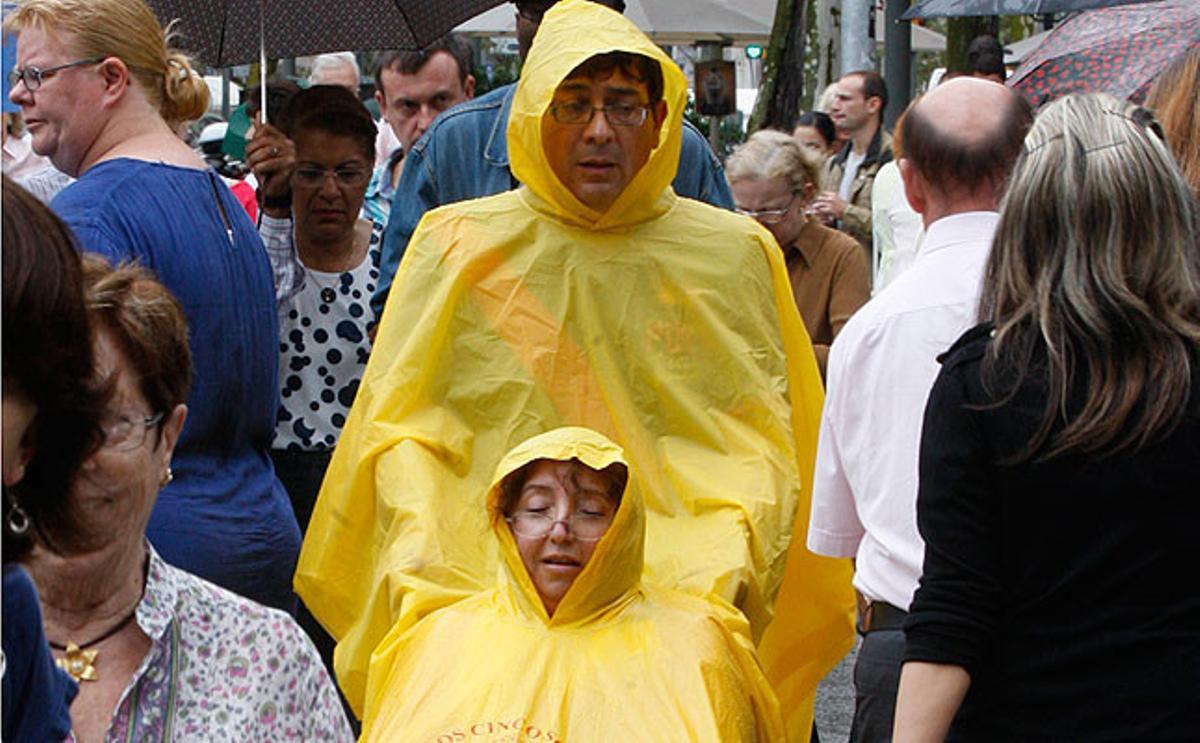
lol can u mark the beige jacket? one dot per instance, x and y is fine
(856, 222)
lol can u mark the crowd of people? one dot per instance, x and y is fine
(559, 428)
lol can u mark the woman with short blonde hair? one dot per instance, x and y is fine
(773, 179)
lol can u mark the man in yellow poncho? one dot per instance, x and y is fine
(591, 296)
(570, 644)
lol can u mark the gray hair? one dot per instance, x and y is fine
(328, 61)
(771, 154)
(1095, 269)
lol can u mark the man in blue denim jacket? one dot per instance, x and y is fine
(464, 155)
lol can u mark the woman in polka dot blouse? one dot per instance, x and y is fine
(314, 171)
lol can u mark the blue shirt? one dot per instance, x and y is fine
(377, 203)
(37, 695)
(464, 155)
(225, 517)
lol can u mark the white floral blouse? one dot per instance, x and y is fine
(223, 668)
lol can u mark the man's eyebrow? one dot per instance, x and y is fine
(622, 90)
(575, 87)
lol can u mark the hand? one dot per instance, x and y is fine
(829, 207)
(272, 158)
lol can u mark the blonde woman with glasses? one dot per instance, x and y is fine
(1060, 456)
(773, 180)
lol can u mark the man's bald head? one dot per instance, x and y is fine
(963, 137)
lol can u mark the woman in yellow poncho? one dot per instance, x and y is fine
(571, 645)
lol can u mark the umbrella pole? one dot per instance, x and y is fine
(262, 59)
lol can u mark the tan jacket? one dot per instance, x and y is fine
(830, 281)
(856, 222)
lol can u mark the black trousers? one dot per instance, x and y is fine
(301, 473)
(876, 681)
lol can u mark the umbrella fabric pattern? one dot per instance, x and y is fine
(226, 32)
(1118, 50)
(937, 8)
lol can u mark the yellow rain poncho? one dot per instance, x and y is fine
(618, 661)
(665, 324)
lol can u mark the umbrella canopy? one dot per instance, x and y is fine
(673, 22)
(1016, 52)
(1118, 50)
(668, 21)
(935, 8)
(226, 32)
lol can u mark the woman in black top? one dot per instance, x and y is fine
(1061, 454)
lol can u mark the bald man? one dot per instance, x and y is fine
(959, 143)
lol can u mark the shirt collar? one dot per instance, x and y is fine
(497, 147)
(381, 180)
(159, 599)
(871, 154)
(808, 242)
(955, 229)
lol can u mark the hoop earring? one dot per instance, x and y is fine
(18, 520)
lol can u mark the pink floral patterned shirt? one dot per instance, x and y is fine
(223, 668)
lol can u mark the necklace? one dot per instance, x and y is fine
(79, 662)
(328, 294)
(362, 241)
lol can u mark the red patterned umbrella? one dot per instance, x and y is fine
(1118, 50)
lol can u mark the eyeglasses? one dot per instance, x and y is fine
(617, 114)
(586, 526)
(769, 216)
(33, 77)
(346, 177)
(127, 431)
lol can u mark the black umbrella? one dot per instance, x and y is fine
(935, 8)
(227, 32)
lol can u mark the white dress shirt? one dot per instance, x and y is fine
(881, 368)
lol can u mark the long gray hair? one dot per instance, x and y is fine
(1094, 269)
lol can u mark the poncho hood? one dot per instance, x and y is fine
(571, 33)
(615, 568)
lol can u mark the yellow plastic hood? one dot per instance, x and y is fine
(571, 33)
(616, 565)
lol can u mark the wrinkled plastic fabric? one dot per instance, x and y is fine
(616, 661)
(665, 324)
